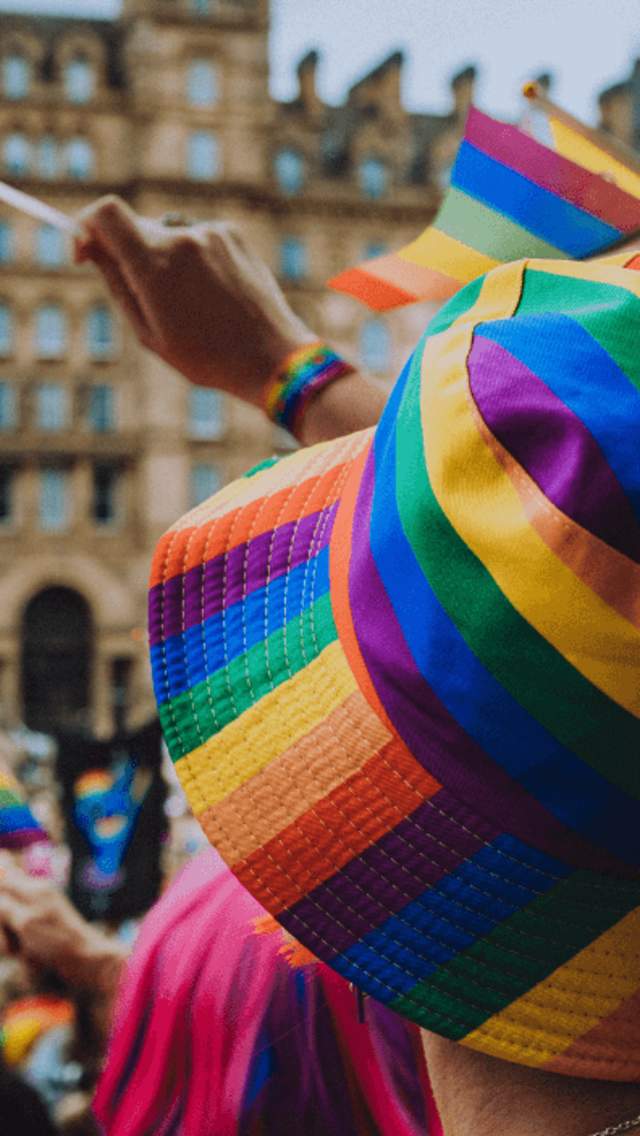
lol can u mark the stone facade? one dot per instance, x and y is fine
(103, 446)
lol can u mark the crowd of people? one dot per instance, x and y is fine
(396, 673)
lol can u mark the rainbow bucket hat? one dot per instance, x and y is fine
(399, 676)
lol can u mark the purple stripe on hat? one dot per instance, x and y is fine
(435, 738)
(187, 600)
(552, 444)
(422, 849)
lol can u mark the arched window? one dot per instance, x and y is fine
(47, 157)
(375, 345)
(17, 154)
(51, 331)
(50, 246)
(289, 169)
(6, 329)
(100, 337)
(79, 80)
(293, 258)
(80, 159)
(374, 178)
(202, 83)
(203, 159)
(57, 636)
(16, 76)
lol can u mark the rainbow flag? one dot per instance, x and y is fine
(510, 197)
(18, 826)
(601, 153)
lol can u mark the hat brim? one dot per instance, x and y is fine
(324, 815)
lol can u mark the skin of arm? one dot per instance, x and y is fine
(205, 303)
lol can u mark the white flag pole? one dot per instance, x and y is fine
(25, 203)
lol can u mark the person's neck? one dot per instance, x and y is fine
(482, 1096)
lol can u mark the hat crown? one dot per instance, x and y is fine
(495, 572)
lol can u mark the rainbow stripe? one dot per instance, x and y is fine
(18, 826)
(510, 197)
(397, 674)
(300, 377)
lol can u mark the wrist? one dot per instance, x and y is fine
(298, 379)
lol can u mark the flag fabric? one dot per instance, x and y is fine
(113, 799)
(510, 197)
(18, 826)
(592, 149)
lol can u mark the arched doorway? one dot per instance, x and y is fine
(57, 651)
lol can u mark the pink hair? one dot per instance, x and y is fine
(214, 1032)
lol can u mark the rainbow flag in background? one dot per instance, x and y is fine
(510, 197)
(596, 151)
(18, 826)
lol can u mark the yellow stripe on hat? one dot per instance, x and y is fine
(268, 729)
(547, 1012)
(436, 250)
(485, 509)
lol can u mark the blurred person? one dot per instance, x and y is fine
(533, 1028)
(214, 1031)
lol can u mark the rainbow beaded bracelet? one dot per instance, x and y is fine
(298, 379)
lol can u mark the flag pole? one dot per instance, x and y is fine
(617, 150)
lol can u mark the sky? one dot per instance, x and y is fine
(587, 44)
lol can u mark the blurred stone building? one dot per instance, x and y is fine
(101, 446)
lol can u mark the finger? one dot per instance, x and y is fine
(112, 224)
(121, 291)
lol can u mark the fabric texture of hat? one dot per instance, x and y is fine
(399, 676)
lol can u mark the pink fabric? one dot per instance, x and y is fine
(215, 1034)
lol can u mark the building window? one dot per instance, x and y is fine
(289, 169)
(8, 406)
(47, 157)
(51, 332)
(203, 156)
(52, 406)
(54, 499)
(373, 249)
(206, 418)
(50, 246)
(7, 478)
(205, 481)
(104, 506)
(375, 345)
(16, 76)
(100, 337)
(79, 80)
(202, 83)
(6, 330)
(80, 160)
(17, 154)
(374, 178)
(6, 242)
(101, 409)
(293, 258)
(200, 7)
